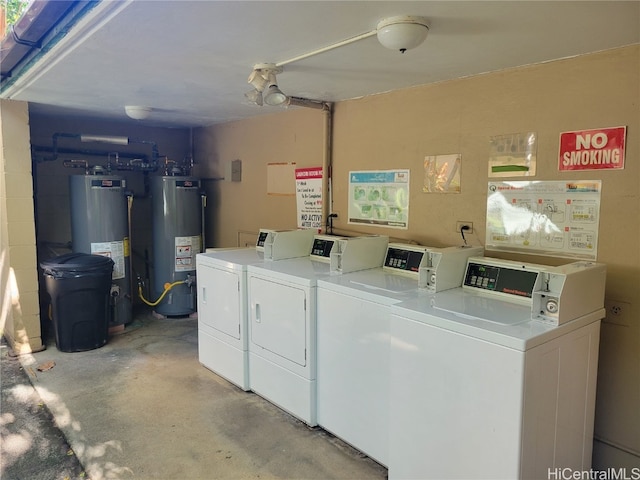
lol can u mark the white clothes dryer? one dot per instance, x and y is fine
(282, 321)
(496, 379)
(222, 299)
(353, 328)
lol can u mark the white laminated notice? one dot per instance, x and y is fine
(186, 250)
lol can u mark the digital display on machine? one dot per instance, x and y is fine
(501, 279)
(401, 259)
(322, 248)
(262, 236)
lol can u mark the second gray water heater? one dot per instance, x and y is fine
(177, 239)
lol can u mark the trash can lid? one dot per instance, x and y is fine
(77, 263)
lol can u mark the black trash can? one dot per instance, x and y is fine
(79, 285)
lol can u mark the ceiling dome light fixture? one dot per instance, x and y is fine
(402, 32)
(137, 112)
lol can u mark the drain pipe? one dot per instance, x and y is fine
(327, 207)
(327, 191)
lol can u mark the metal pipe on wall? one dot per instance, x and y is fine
(327, 108)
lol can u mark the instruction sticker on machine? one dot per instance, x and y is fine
(544, 218)
(186, 250)
(379, 197)
(116, 252)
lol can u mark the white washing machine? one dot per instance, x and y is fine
(282, 321)
(353, 327)
(222, 299)
(497, 379)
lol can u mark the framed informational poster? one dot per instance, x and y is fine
(379, 197)
(557, 218)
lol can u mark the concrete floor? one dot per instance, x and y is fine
(143, 407)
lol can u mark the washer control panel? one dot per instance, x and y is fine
(322, 247)
(405, 258)
(501, 279)
(556, 294)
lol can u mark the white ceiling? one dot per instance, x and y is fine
(190, 60)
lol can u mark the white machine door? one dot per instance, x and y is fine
(219, 297)
(278, 319)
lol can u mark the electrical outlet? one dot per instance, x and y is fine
(617, 312)
(460, 224)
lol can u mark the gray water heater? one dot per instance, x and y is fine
(177, 239)
(99, 226)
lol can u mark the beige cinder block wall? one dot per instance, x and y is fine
(397, 129)
(236, 210)
(19, 309)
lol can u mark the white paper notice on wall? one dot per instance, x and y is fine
(555, 218)
(281, 179)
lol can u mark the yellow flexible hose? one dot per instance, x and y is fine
(167, 287)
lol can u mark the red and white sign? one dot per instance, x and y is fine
(304, 173)
(309, 197)
(599, 149)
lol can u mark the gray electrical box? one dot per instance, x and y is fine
(233, 171)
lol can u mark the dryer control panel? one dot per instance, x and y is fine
(282, 244)
(556, 294)
(352, 254)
